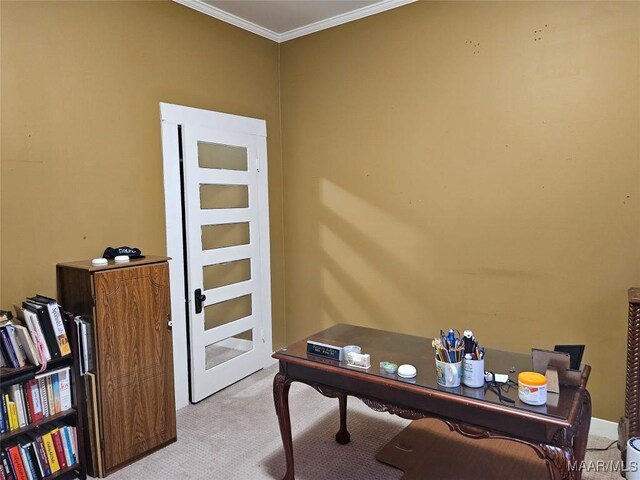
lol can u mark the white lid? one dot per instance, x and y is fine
(121, 259)
(407, 371)
(99, 261)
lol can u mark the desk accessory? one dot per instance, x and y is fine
(360, 360)
(633, 459)
(448, 374)
(532, 388)
(575, 354)
(325, 350)
(389, 367)
(472, 372)
(406, 371)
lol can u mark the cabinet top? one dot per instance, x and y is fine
(86, 264)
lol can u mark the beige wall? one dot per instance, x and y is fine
(468, 165)
(81, 147)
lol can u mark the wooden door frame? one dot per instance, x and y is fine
(171, 116)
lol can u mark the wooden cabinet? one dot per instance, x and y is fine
(130, 307)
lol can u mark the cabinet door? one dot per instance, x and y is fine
(135, 361)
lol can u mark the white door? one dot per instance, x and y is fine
(227, 253)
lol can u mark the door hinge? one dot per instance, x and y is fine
(262, 334)
(93, 299)
(258, 164)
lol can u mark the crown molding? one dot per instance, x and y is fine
(229, 18)
(367, 11)
(343, 18)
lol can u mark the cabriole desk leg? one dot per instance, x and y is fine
(343, 436)
(281, 384)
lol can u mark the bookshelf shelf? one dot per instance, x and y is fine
(10, 376)
(61, 473)
(5, 437)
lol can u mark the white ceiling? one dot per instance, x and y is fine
(281, 20)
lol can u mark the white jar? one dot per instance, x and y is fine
(532, 388)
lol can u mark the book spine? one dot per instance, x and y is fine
(6, 465)
(58, 328)
(15, 343)
(3, 415)
(52, 404)
(9, 348)
(25, 406)
(50, 449)
(25, 462)
(5, 411)
(30, 450)
(35, 399)
(13, 415)
(49, 334)
(42, 387)
(33, 324)
(16, 462)
(59, 448)
(42, 455)
(66, 446)
(64, 381)
(55, 384)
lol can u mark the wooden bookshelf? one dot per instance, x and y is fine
(72, 416)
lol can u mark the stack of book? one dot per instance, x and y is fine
(40, 453)
(36, 336)
(45, 395)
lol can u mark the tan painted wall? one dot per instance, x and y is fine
(468, 165)
(81, 146)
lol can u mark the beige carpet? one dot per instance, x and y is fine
(234, 435)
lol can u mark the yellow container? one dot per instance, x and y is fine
(532, 388)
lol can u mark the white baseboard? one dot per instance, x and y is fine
(604, 428)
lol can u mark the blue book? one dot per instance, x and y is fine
(66, 433)
(56, 392)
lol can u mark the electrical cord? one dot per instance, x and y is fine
(602, 449)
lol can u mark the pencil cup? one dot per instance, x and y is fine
(448, 374)
(473, 373)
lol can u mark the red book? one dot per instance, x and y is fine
(57, 444)
(34, 402)
(16, 461)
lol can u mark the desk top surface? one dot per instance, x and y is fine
(401, 349)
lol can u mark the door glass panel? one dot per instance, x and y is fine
(227, 273)
(223, 196)
(227, 311)
(224, 350)
(224, 235)
(226, 157)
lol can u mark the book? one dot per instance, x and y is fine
(28, 466)
(8, 348)
(14, 395)
(34, 400)
(30, 349)
(66, 442)
(16, 462)
(57, 445)
(42, 314)
(85, 343)
(55, 317)
(41, 455)
(42, 388)
(50, 450)
(33, 325)
(17, 347)
(51, 402)
(13, 415)
(5, 411)
(6, 465)
(55, 385)
(23, 399)
(64, 387)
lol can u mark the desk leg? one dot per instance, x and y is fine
(281, 386)
(343, 436)
(582, 431)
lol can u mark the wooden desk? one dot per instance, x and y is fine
(557, 432)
